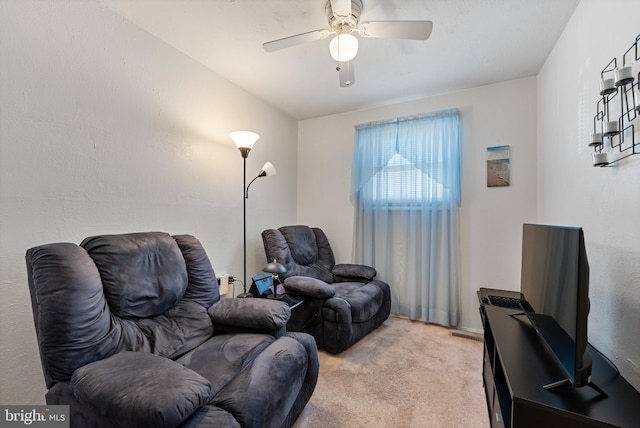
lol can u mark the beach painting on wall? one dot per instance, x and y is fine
(498, 173)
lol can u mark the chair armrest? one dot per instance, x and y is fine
(141, 389)
(308, 287)
(250, 316)
(353, 272)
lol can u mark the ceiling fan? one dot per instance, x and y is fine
(344, 17)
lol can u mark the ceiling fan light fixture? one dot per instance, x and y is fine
(343, 47)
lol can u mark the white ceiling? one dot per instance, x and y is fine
(474, 43)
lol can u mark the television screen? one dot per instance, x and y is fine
(555, 283)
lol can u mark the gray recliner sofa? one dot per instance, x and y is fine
(132, 333)
(342, 302)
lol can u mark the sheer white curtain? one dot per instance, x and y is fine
(405, 188)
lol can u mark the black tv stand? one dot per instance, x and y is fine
(521, 382)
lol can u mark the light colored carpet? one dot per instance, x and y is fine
(403, 374)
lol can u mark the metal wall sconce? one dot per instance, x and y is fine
(613, 137)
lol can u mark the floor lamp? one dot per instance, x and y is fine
(245, 140)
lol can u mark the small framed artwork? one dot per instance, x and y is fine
(498, 169)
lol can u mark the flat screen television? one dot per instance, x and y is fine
(555, 283)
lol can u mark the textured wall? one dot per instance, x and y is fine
(105, 129)
(604, 201)
(490, 218)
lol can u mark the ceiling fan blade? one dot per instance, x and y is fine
(346, 74)
(290, 41)
(341, 7)
(415, 30)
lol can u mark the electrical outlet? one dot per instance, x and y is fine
(224, 284)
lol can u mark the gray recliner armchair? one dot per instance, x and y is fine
(343, 302)
(132, 333)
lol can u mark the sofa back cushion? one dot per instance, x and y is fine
(302, 243)
(143, 274)
(203, 285)
(71, 316)
(303, 250)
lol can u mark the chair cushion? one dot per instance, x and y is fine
(353, 272)
(143, 274)
(364, 300)
(211, 416)
(222, 357)
(72, 320)
(203, 286)
(309, 287)
(302, 250)
(140, 389)
(302, 243)
(258, 314)
(177, 331)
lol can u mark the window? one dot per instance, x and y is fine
(409, 162)
(405, 188)
(401, 184)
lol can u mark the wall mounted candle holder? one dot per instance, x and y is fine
(617, 110)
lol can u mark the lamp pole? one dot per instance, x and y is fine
(244, 220)
(245, 154)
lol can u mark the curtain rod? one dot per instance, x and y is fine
(449, 112)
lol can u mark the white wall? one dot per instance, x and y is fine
(105, 129)
(491, 218)
(604, 201)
